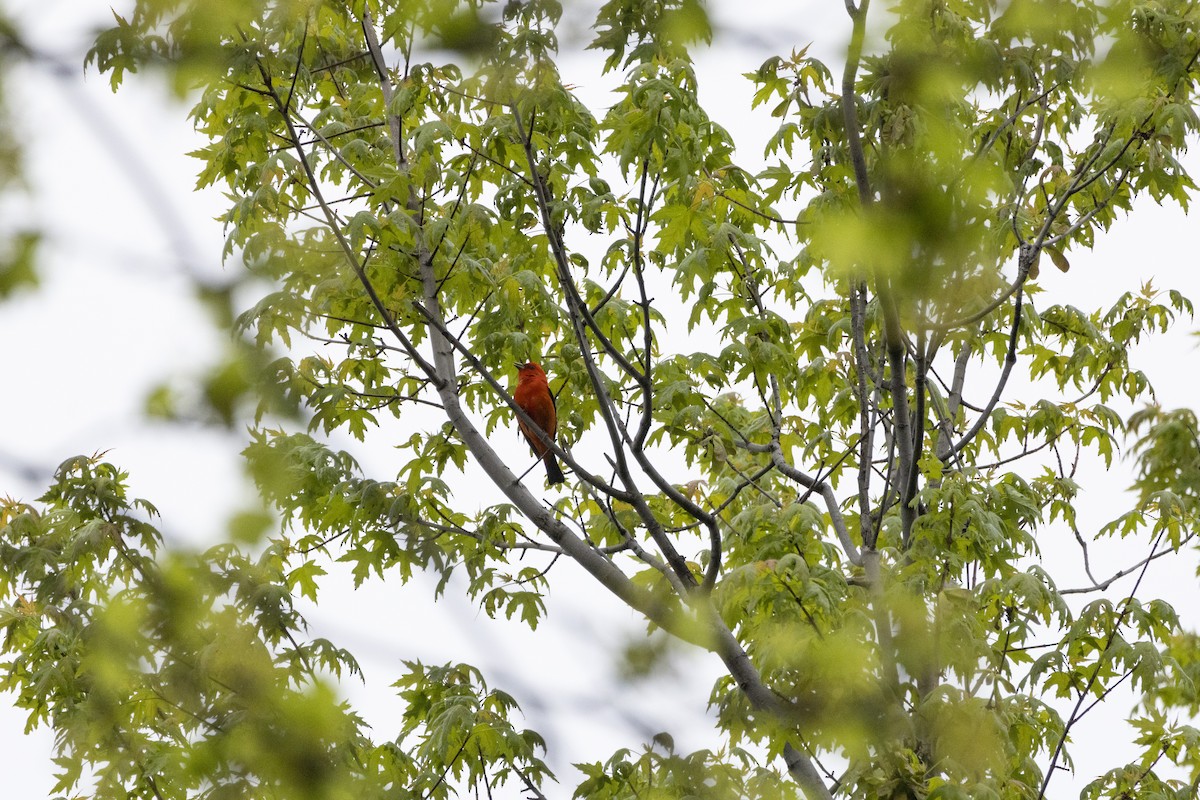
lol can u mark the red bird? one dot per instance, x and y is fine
(533, 396)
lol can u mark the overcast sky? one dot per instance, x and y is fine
(115, 314)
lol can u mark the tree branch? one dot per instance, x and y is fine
(1010, 359)
(1086, 690)
(1140, 565)
(850, 100)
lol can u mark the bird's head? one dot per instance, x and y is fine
(531, 368)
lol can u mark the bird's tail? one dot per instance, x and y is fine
(554, 474)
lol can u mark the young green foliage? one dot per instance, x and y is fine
(816, 465)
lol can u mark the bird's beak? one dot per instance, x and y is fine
(518, 364)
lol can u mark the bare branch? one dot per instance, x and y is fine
(801, 766)
(866, 444)
(1010, 359)
(850, 100)
(1085, 690)
(1140, 565)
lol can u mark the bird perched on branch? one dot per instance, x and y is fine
(533, 396)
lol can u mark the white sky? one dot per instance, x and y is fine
(115, 314)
